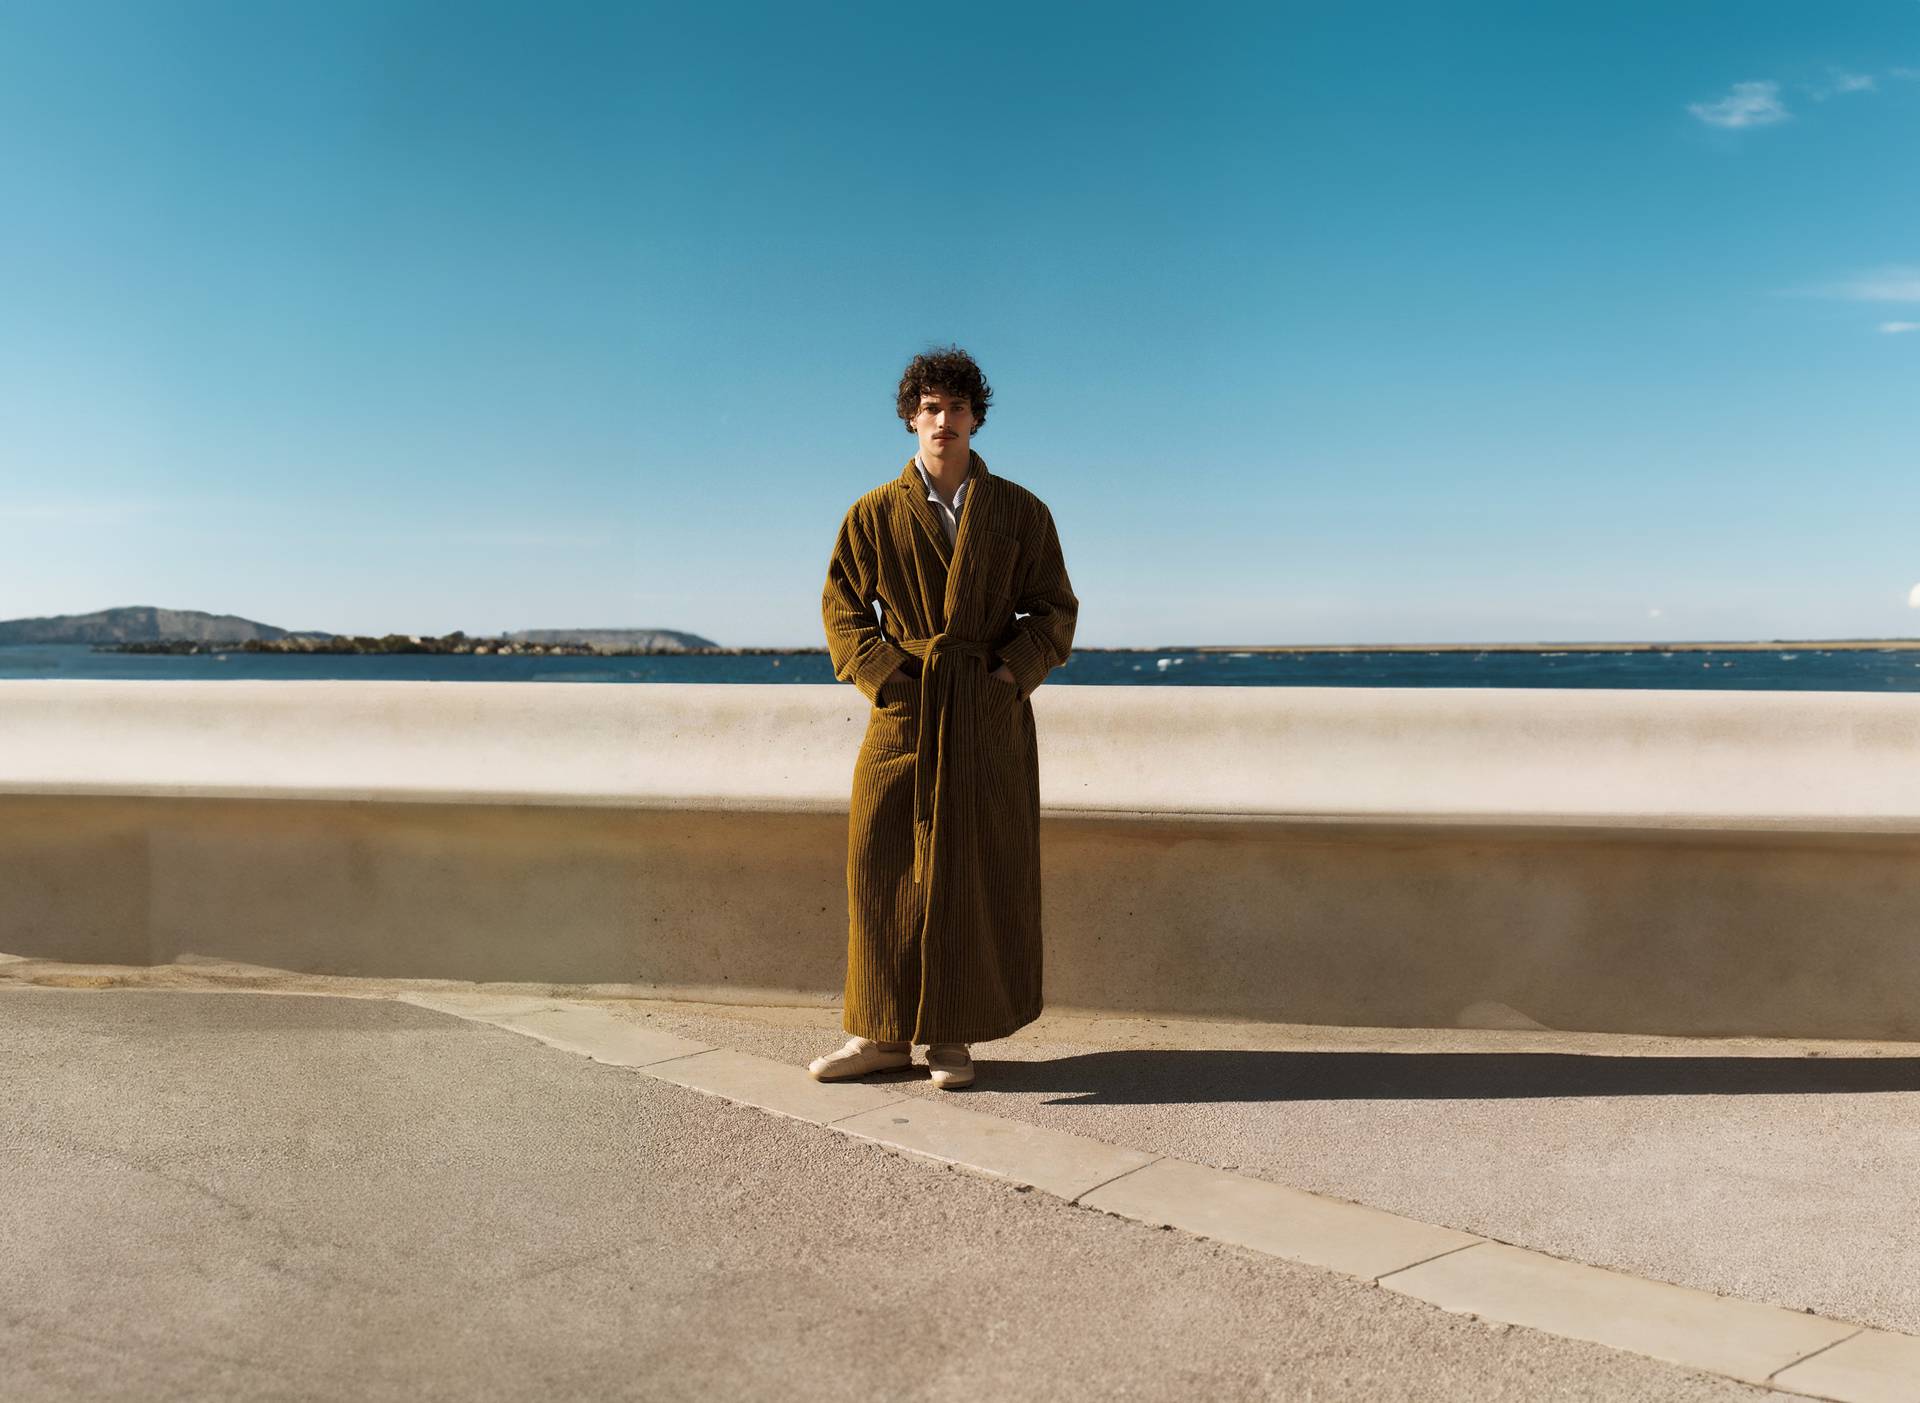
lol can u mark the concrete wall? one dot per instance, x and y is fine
(1708, 863)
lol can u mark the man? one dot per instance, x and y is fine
(943, 850)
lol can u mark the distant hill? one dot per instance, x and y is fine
(607, 639)
(141, 623)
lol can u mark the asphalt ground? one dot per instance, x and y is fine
(215, 1195)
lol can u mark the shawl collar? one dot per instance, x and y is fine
(979, 480)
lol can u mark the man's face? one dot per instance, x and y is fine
(945, 425)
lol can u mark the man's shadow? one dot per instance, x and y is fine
(1163, 1076)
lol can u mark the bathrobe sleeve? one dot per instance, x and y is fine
(1041, 641)
(861, 653)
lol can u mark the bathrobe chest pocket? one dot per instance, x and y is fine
(995, 570)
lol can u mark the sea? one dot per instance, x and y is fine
(1783, 669)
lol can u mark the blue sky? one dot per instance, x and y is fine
(1349, 323)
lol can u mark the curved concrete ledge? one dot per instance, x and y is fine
(1655, 862)
(1783, 761)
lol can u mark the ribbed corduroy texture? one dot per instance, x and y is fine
(954, 956)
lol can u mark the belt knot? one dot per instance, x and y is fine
(942, 643)
(936, 692)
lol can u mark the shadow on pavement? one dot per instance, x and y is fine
(1160, 1076)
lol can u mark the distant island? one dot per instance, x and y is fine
(143, 628)
(620, 640)
(599, 642)
(141, 623)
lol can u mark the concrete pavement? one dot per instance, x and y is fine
(1774, 1171)
(238, 1195)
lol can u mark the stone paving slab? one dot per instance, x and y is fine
(600, 1035)
(772, 1086)
(1874, 1366)
(484, 1008)
(1301, 1227)
(1061, 1164)
(583, 1028)
(1741, 1339)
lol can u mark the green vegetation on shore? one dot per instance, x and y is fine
(452, 643)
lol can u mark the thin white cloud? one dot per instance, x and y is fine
(77, 513)
(523, 540)
(1913, 598)
(1841, 82)
(1897, 328)
(1891, 284)
(1747, 105)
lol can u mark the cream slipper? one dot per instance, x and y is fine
(950, 1065)
(856, 1059)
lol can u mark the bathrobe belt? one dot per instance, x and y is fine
(935, 728)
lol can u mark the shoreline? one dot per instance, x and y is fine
(468, 648)
(1809, 645)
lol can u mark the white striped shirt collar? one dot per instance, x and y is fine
(949, 516)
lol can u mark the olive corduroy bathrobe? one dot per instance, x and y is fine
(943, 850)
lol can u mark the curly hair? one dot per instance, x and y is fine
(948, 370)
